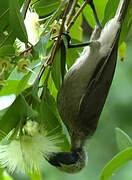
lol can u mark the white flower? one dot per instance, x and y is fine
(27, 152)
(32, 26)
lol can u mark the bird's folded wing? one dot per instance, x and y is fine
(93, 101)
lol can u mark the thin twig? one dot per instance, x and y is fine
(77, 14)
(60, 32)
(26, 8)
(41, 72)
(26, 50)
(71, 11)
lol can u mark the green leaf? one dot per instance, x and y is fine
(122, 51)
(4, 14)
(7, 39)
(7, 176)
(2, 112)
(126, 24)
(4, 175)
(7, 50)
(100, 8)
(23, 83)
(1, 174)
(123, 140)
(16, 21)
(35, 89)
(9, 88)
(30, 113)
(76, 29)
(35, 74)
(33, 1)
(51, 87)
(35, 66)
(15, 75)
(23, 2)
(35, 176)
(110, 10)
(46, 7)
(55, 14)
(119, 160)
(13, 115)
(40, 47)
(48, 111)
(6, 101)
(49, 117)
(56, 69)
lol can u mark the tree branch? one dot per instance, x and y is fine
(77, 14)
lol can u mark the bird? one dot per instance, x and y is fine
(84, 90)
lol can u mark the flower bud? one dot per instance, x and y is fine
(22, 65)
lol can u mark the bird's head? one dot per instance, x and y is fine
(70, 162)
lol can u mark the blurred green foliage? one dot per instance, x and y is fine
(118, 108)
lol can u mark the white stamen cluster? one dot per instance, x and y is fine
(27, 152)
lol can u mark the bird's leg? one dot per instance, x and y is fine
(95, 34)
(69, 45)
(91, 3)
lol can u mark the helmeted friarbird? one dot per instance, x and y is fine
(85, 88)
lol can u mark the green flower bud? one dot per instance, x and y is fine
(55, 27)
(22, 65)
(5, 65)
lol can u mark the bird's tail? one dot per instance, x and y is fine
(121, 10)
(112, 29)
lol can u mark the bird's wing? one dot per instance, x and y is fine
(94, 99)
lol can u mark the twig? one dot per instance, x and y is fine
(27, 8)
(60, 33)
(26, 50)
(71, 11)
(77, 14)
